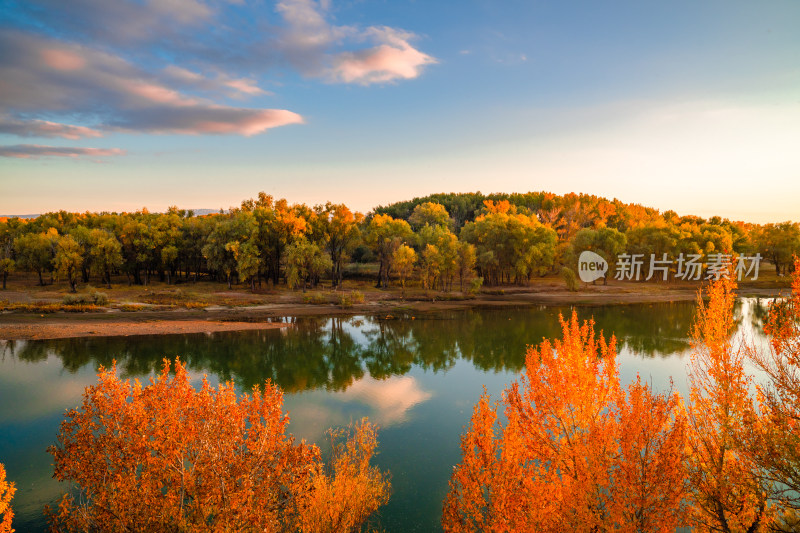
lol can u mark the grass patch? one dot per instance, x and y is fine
(346, 300)
(49, 307)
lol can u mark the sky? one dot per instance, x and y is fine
(115, 105)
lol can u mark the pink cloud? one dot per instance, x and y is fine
(45, 128)
(394, 59)
(200, 120)
(220, 83)
(60, 59)
(34, 151)
(245, 86)
(156, 94)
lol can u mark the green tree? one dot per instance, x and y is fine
(403, 259)
(510, 245)
(69, 260)
(779, 243)
(247, 261)
(305, 262)
(606, 242)
(465, 261)
(221, 244)
(106, 253)
(384, 235)
(35, 252)
(7, 263)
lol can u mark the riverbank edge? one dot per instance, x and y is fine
(114, 323)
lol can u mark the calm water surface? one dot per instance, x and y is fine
(417, 377)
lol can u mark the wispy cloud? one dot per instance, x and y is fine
(206, 119)
(45, 75)
(35, 151)
(45, 128)
(88, 68)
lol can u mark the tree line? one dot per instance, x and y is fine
(440, 241)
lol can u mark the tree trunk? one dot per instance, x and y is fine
(41, 281)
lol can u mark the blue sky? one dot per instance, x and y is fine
(115, 105)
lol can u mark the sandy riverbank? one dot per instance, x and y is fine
(113, 322)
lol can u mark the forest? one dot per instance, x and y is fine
(437, 242)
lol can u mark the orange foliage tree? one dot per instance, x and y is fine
(576, 452)
(167, 457)
(7, 491)
(728, 493)
(776, 447)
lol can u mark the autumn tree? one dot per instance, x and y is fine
(7, 491)
(384, 235)
(465, 261)
(776, 447)
(69, 260)
(438, 256)
(575, 454)
(338, 228)
(728, 495)
(511, 246)
(167, 457)
(429, 214)
(278, 224)
(404, 259)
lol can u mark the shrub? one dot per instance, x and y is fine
(99, 298)
(571, 280)
(315, 298)
(349, 299)
(76, 299)
(475, 285)
(237, 469)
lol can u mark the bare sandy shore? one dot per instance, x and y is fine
(51, 328)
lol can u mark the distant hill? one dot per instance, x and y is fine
(197, 212)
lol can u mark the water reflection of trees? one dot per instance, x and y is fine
(331, 353)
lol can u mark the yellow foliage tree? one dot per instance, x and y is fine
(776, 448)
(575, 453)
(728, 493)
(7, 491)
(167, 457)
